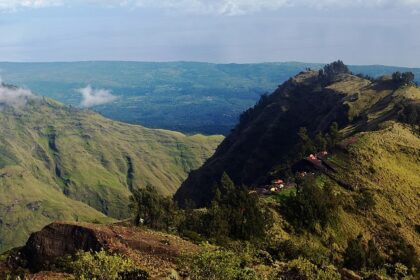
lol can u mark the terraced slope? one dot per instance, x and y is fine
(60, 163)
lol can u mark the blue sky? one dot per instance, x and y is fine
(359, 32)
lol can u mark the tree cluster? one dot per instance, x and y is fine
(233, 214)
(155, 210)
(401, 79)
(321, 142)
(247, 115)
(332, 70)
(312, 205)
(410, 114)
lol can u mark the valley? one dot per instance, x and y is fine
(191, 97)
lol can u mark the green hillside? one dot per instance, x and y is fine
(61, 163)
(266, 139)
(319, 180)
(366, 184)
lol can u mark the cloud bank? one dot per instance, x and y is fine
(94, 97)
(14, 96)
(219, 7)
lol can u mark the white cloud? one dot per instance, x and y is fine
(14, 96)
(16, 4)
(222, 7)
(94, 97)
(240, 7)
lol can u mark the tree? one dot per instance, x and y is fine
(335, 136)
(397, 77)
(154, 210)
(408, 78)
(217, 226)
(320, 142)
(306, 146)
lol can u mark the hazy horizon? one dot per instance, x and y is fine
(204, 62)
(371, 32)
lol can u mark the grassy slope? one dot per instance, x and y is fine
(384, 162)
(57, 163)
(384, 159)
(387, 163)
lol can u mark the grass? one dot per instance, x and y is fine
(281, 196)
(384, 162)
(81, 173)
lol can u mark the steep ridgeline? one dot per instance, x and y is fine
(61, 163)
(266, 139)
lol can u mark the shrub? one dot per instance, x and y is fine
(355, 254)
(102, 266)
(365, 201)
(374, 259)
(214, 264)
(136, 274)
(303, 269)
(288, 250)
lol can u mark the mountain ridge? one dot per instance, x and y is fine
(267, 133)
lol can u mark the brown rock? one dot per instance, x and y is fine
(57, 240)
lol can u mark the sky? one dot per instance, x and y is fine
(363, 32)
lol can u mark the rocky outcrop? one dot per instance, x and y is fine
(57, 240)
(153, 250)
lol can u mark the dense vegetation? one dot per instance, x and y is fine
(234, 214)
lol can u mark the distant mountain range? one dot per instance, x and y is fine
(183, 96)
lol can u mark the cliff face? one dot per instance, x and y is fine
(267, 134)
